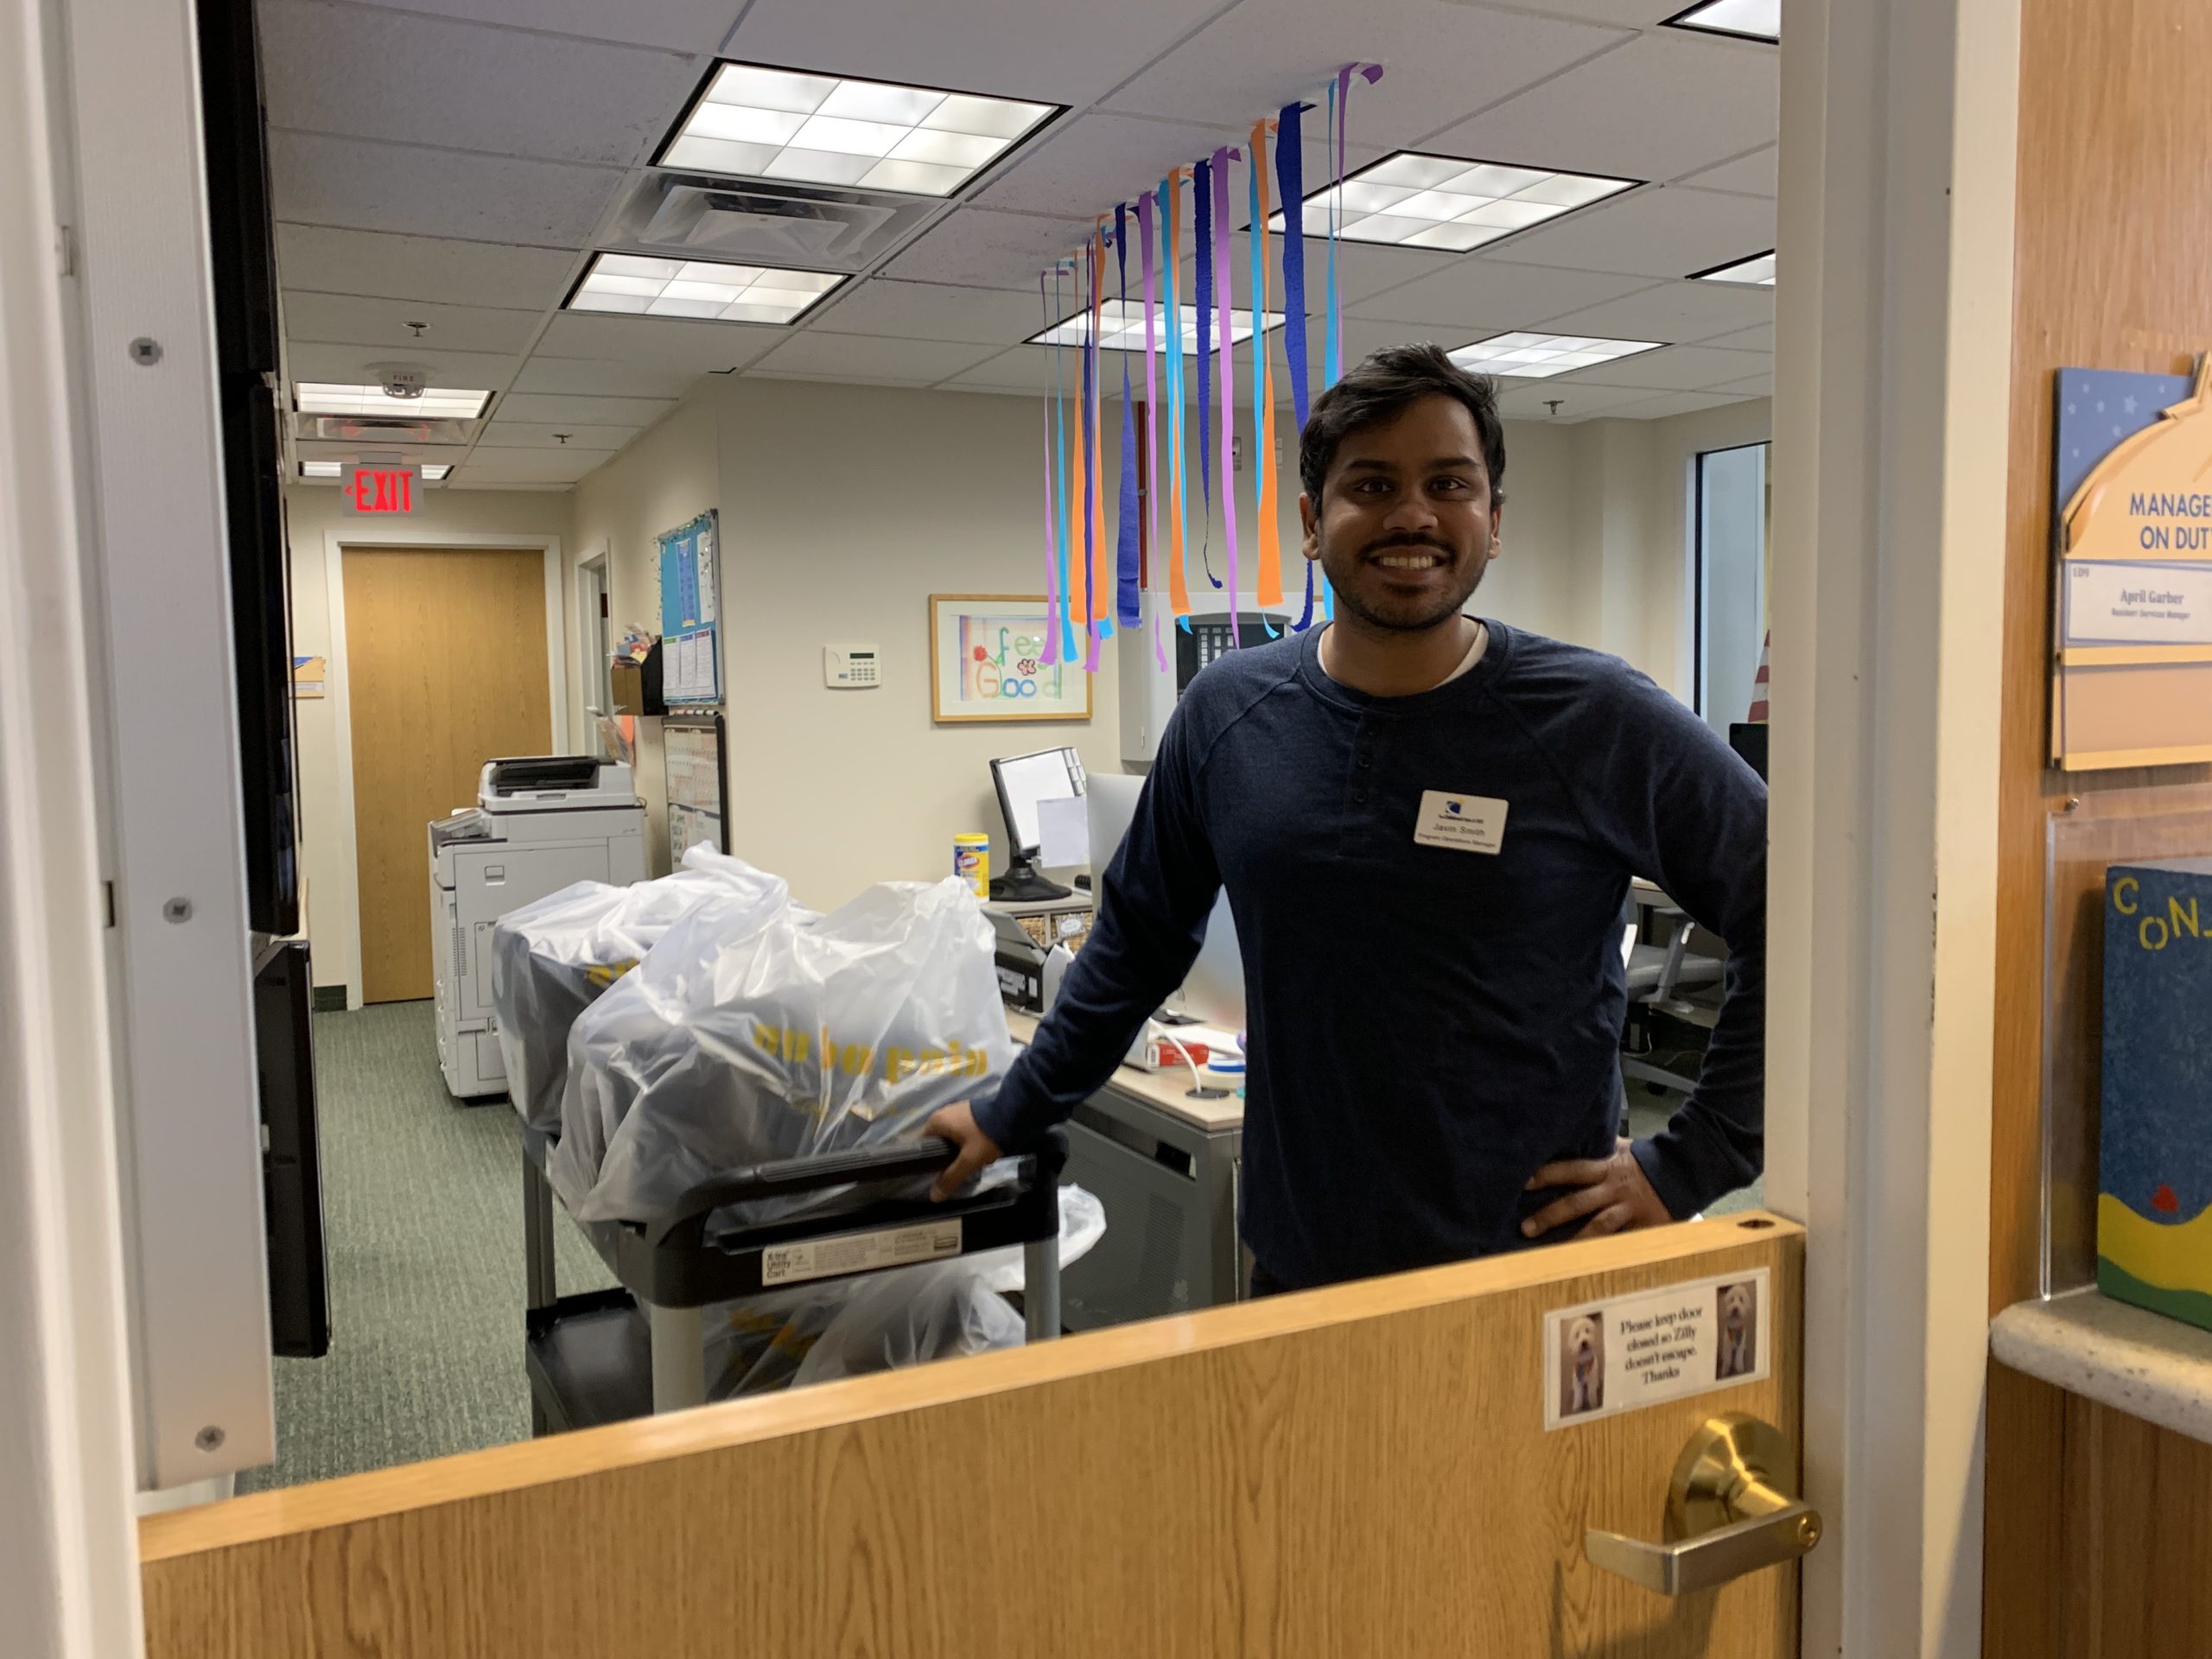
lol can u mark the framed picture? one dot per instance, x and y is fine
(986, 662)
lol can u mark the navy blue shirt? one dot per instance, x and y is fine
(1428, 1024)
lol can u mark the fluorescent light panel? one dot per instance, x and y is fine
(1749, 20)
(436, 403)
(705, 289)
(1121, 327)
(754, 122)
(1538, 356)
(1757, 271)
(1416, 200)
(433, 471)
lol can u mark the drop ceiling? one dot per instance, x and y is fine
(456, 171)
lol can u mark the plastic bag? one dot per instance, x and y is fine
(747, 1035)
(882, 1321)
(552, 959)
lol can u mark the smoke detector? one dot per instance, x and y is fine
(403, 380)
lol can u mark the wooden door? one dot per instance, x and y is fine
(446, 668)
(1359, 1471)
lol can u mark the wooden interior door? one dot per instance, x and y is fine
(1364, 1470)
(445, 668)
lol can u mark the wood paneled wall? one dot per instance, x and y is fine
(2114, 270)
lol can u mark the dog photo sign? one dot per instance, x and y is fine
(1606, 1358)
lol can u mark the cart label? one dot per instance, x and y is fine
(832, 1258)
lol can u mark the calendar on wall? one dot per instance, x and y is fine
(690, 629)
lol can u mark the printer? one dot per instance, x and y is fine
(541, 823)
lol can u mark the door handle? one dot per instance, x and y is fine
(1730, 1510)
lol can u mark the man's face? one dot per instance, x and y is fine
(1405, 528)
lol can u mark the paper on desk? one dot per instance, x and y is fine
(1063, 833)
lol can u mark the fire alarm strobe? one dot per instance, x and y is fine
(403, 380)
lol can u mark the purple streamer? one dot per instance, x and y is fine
(1227, 360)
(1290, 179)
(1202, 190)
(1052, 512)
(1090, 473)
(1126, 549)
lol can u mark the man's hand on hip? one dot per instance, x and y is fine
(1614, 1193)
(957, 1124)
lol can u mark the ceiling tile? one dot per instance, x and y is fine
(591, 378)
(657, 342)
(1480, 294)
(356, 184)
(501, 434)
(1668, 404)
(1527, 400)
(349, 319)
(1754, 174)
(1666, 232)
(560, 408)
(1681, 312)
(1026, 368)
(683, 25)
(436, 80)
(1063, 51)
(349, 365)
(1095, 162)
(328, 261)
(1759, 385)
(315, 449)
(1445, 61)
(934, 311)
(1678, 368)
(1666, 104)
(983, 249)
(866, 356)
(527, 466)
(1629, 14)
(1363, 268)
(1760, 339)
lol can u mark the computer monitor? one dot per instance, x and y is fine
(1214, 990)
(1025, 782)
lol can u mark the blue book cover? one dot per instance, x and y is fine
(2154, 1202)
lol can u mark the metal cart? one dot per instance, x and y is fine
(607, 1356)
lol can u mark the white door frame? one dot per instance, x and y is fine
(586, 643)
(376, 534)
(1892, 411)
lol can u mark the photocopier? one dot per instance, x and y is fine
(540, 824)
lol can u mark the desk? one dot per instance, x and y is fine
(1166, 1167)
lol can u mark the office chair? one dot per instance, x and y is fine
(1658, 970)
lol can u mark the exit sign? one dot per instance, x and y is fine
(378, 489)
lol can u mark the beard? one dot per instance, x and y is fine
(1362, 593)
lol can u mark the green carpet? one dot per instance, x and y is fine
(423, 1209)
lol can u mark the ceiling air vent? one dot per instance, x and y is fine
(817, 227)
(385, 429)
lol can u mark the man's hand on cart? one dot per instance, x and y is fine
(978, 1151)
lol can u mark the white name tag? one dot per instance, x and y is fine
(1473, 823)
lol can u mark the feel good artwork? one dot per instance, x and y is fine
(988, 661)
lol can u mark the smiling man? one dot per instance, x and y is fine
(1426, 824)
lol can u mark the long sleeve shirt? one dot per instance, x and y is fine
(1428, 894)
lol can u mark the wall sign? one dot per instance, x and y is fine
(1606, 1358)
(690, 625)
(2132, 661)
(986, 662)
(380, 489)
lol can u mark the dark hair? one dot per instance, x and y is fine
(1379, 389)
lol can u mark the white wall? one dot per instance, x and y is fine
(312, 513)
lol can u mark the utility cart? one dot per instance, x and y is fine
(604, 1356)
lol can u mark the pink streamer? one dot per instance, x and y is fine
(1052, 513)
(1151, 397)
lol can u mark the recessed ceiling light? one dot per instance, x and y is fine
(754, 122)
(703, 289)
(1757, 271)
(1122, 328)
(1749, 20)
(435, 403)
(1537, 357)
(433, 471)
(1414, 200)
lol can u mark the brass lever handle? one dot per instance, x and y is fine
(1729, 1511)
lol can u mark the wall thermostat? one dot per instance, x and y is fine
(849, 668)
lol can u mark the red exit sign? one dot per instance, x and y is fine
(380, 489)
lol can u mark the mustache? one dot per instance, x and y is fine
(1387, 543)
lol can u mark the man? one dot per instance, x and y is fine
(1426, 824)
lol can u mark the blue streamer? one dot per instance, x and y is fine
(1290, 180)
(1128, 553)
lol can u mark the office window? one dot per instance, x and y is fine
(1730, 514)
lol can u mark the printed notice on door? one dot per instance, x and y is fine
(1608, 1358)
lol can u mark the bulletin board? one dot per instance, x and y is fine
(697, 778)
(2132, 659)
(690, 608)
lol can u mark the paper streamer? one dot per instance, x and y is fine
(1127, 549)
(1226, 359)
(1148, 245)
(1290, 175)
(1266, 535)
(1102, 571)
(1202, 201)
(1079, 594)
(1051, 508)
(1179, 484)
(1066, 502)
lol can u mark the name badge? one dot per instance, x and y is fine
(1470, 823)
